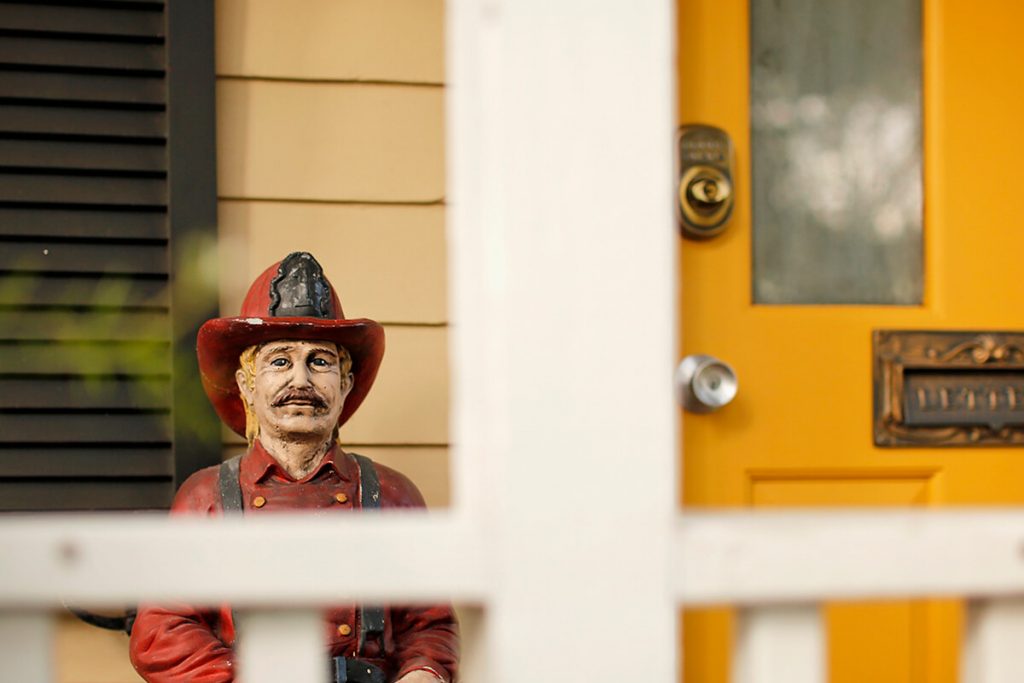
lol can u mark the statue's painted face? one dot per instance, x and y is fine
(298, 390)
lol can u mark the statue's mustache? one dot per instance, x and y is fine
(301, 395)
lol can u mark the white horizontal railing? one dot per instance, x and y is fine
(752, 558)
(776, 567)
(277, 572)
(718, 558)
(278, 561)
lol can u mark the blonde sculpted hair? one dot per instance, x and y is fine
(247, 362)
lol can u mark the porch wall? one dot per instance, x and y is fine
(330, 139)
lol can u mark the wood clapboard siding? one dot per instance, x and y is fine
(330, 142)
(378, 40)
(387, 262)
(409, 401)
(85, 323)
(86, 654)
(427, 467)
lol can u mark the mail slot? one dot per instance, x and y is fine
(941, 388)
(993, 399)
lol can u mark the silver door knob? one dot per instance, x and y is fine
(705, 383)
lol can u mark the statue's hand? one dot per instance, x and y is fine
(418, 676)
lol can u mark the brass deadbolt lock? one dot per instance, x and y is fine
(705, 180)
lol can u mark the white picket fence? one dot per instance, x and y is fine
(777, 567)
(564, 526)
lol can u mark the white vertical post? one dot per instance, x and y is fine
(994, 642)
(282, 645)
(780, 644)
(562, 243)
(26, 647)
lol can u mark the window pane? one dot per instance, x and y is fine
(836, 151)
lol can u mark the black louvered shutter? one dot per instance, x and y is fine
(106, 189)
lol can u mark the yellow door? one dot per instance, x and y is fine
(799, 431)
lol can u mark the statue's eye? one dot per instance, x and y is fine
(279, 362)
(319, 362)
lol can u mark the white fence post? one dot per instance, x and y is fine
(26, 647)
(780, 644)
(282, 645)
(994, 642)
(562, 243)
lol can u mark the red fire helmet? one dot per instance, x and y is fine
(292, 299)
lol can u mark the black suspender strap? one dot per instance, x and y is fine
(371, 619)
(231, 500)
(348, 670)
(230, 489)
(369, 484)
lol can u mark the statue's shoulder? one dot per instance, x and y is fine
(396, 489)
(200, 492)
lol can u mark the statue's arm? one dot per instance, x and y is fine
(177, 644)
(427, 640)
(180, 643)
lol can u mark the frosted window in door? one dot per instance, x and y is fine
(836, 147)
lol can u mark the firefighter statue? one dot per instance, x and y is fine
(287, 373)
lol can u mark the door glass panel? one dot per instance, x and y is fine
(836, 151)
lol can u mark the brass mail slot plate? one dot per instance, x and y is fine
(948, 388)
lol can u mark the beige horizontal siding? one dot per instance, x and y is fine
(397, 40)
(426, 467)
(409, 400)
(386, 262)
(87, 654)
(329, 142)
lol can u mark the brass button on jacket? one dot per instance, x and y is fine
(341, 497)
(259, 501)
(344, 630)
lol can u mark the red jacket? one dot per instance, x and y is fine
(180, 643)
